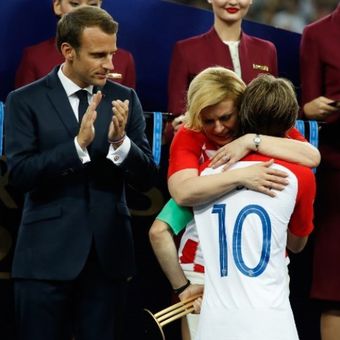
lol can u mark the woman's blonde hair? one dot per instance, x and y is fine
(210, 87)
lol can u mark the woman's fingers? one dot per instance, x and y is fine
(263, 178)
(221, 157)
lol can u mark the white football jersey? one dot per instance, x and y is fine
(243, 237)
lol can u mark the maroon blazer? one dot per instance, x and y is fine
(38, 60)
(192, 55)
(320, 76)
(320, 58)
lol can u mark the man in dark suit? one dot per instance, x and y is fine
(74, 252)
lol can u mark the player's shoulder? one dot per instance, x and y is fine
(297, 169)
(303, 174)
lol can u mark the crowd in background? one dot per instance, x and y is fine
(291, 15)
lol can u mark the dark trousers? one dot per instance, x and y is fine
(91, 307)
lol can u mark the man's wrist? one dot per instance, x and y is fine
(181, 289)
(81, 144)
(118, 140)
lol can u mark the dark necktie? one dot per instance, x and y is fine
(83, 103)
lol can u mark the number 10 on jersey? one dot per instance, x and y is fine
(220, 210)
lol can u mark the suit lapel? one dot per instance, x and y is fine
(61, 103)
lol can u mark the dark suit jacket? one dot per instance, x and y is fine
(38, 60)
(192, 55)
(67, 204)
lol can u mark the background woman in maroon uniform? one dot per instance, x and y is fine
(223, 45)
(320, 79)
(40, 59)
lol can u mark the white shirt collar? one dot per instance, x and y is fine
(70, 87)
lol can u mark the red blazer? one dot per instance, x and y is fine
(38, 60)
(192, 55)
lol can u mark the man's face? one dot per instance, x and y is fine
(219, 122)
(62, 7)
(91, 64)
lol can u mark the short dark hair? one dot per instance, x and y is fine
(71, 26)
(268, 106)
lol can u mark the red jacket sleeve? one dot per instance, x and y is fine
(185, 150)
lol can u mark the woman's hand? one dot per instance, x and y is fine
(262, 178)
(232, 152)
